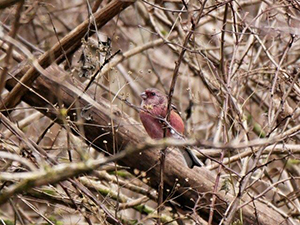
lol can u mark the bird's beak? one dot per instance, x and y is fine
(143, 95)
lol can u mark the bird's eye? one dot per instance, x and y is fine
(153, 93)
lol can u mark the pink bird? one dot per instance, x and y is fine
(154, 110)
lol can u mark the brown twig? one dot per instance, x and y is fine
(170, 95)
(12, 34)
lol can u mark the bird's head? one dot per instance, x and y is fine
(152, 97)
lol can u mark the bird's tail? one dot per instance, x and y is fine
(190, 158)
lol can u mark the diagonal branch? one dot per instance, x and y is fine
(70, 42)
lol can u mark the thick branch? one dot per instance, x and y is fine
(70, 42)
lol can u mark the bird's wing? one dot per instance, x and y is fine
(175, 109)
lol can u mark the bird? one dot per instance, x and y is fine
(153, 115)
